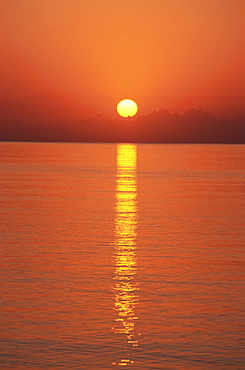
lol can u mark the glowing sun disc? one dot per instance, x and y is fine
(127, 108)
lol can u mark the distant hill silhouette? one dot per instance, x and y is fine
(193, 126)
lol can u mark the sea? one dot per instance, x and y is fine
(122, 255)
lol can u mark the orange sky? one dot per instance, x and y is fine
(69, 59)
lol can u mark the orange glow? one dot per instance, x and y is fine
(77, 57)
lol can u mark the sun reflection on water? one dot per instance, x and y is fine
(126, 286)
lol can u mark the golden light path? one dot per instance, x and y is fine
(126, 286)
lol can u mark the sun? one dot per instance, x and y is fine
(127, 108)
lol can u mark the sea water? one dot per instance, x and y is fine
(122, 255)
